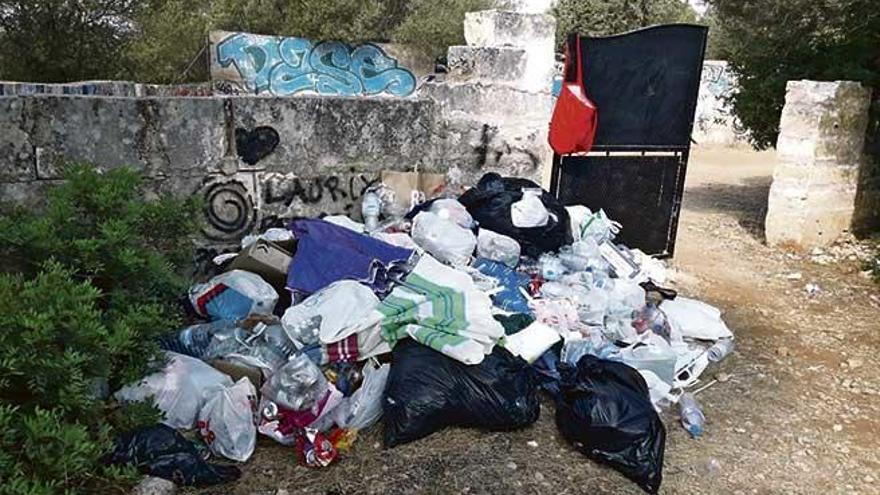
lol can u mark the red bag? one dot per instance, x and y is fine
(574, 121)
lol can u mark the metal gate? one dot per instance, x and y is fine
(644, 84)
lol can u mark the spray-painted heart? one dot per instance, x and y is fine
(253, 146)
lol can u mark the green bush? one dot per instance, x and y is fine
(90, 280)
(771, 42)
(433, 26)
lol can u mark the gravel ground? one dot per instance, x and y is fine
(796, 408)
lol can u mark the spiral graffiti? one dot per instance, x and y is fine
(230, 212)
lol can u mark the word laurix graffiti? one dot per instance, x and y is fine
(286, 66)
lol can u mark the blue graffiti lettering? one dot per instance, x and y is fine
(286, 66)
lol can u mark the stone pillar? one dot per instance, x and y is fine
(821, 155)
(496, 95)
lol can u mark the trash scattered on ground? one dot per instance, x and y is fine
(425, 311)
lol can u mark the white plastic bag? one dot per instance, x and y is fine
(498, 247)
(364, 407)
(695, 319)
(451, 209)
(529, 211)
(179, 390)
(577, 216)
(328, 314)
(443, 238)
(233, 295)
(226, 422)
(532, 341)
(598, 227)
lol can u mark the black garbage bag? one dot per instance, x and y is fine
(489, 204)
(163, 452)
(428, 391)
(604, 410)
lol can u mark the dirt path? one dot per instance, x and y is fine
(799, 412)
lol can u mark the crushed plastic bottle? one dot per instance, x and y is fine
(720, 350)
(651, 318)
(691, 415)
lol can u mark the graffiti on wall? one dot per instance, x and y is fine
(253, 146)
(283, 66)
(255, 200)
(714, 122)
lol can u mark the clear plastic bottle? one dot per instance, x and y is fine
(720, 350)
(691, 414)
(371, 206)
(551, 267)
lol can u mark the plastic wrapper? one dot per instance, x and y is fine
(497, 247)
(226, 422)
(443, 238)
(180, 390)
(560, 314)
(279, 235)
(163, 452)
(233, 295)
(604, 409)
(428, 391)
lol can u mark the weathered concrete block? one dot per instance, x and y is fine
(491, 103)
(534, 33)
(821, 156)
(527, 6)
(18, 161)
(320, 133)
(161, 136)
(506, 65)
(507, 28)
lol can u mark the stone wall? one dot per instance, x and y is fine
(257, 159)
(104, 88)
(818, 188)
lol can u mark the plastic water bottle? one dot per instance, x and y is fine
(370, 208)
(720, 350)
(691, 415)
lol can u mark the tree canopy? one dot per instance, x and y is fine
(770, 42)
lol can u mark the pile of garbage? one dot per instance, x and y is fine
(450, 311)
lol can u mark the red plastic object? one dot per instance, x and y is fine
(575, 117)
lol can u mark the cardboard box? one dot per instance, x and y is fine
(267, 260)
(404, 184)
(238, 370)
